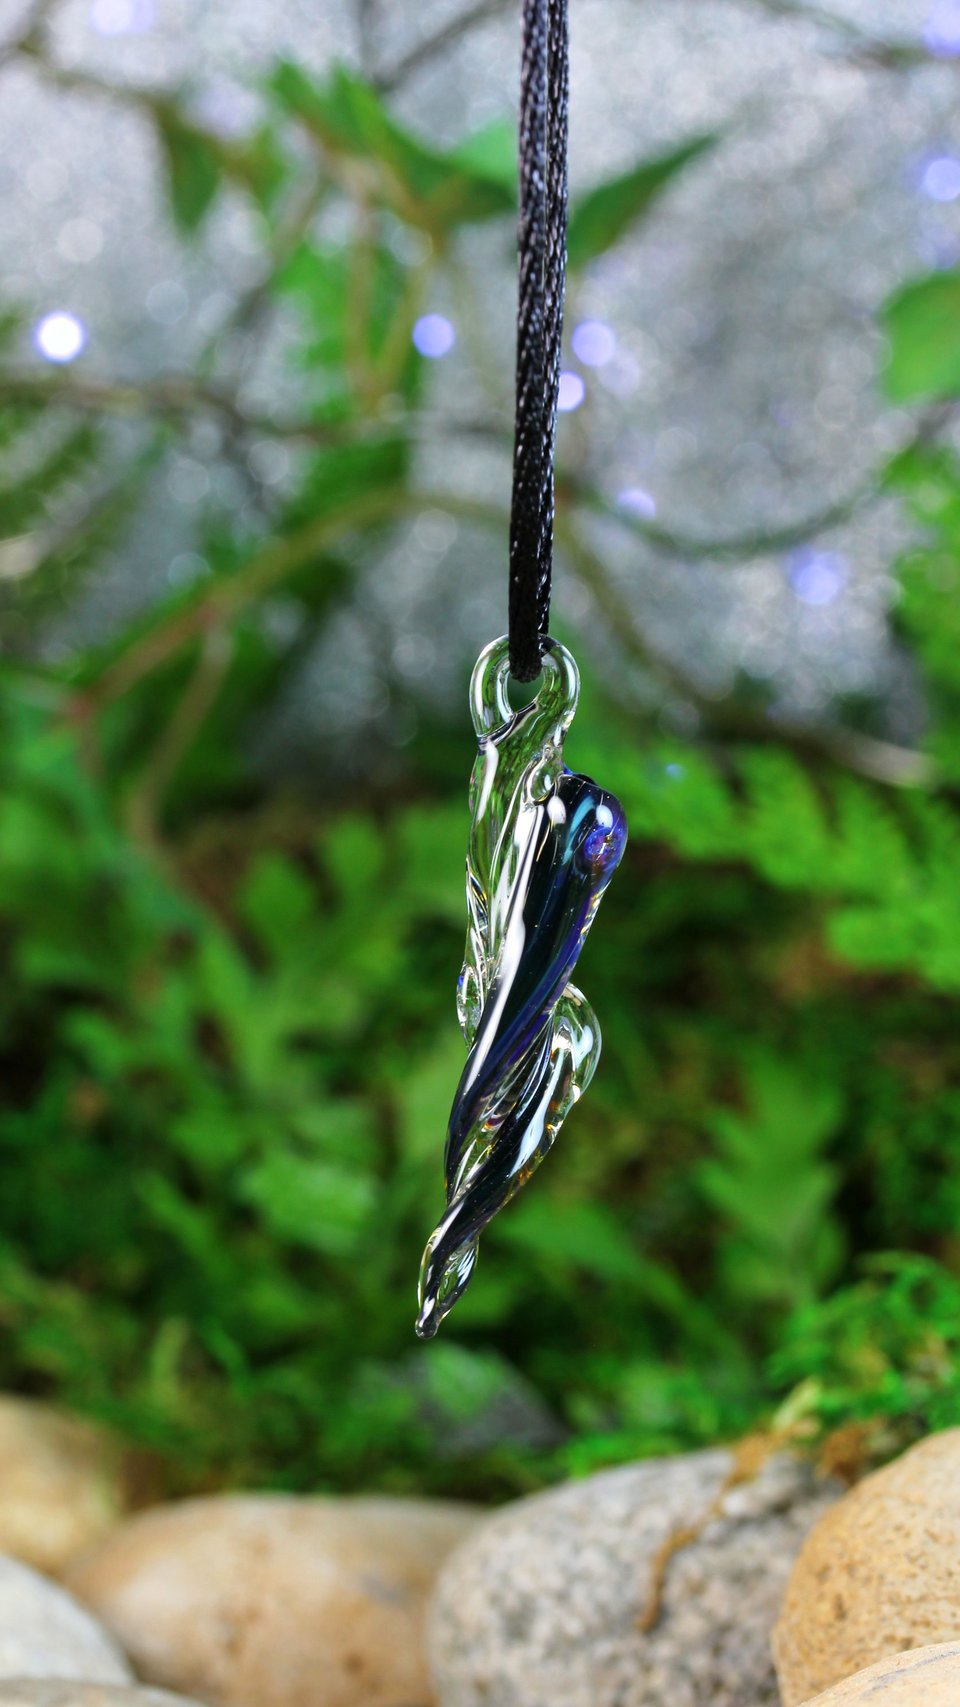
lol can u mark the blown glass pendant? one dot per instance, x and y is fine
(543, 846)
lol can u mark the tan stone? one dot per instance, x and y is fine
(878, 1573)
(266, 1601)
(922, 1677)
(47, 1692)
(60, 1484)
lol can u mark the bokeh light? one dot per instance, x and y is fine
(594, 343)
(816, 577)
(942, 29)
(637, 501)
(122, 17)
(571, 393)
(434, 336)
(59, 337)
(940, 178)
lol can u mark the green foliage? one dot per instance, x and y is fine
(226, 1031)
(928, 480)
(884, 1350)
(606, 213)
(420, 184)
(221, 1133)
(193, 166)
(782, 1244)
(922, 323)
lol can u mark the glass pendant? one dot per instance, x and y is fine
(544, 843)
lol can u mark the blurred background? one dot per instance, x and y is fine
(256, 309)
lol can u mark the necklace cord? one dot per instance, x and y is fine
(542, 251)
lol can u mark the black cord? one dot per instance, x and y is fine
(542, 250)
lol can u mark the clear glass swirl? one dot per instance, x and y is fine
(543, 846)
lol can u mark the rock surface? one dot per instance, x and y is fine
(266, 1601)
(922, 1677)
(60, 1484)
(44, 1633)
(33, 1692)
(879, 1573)
(545, 1603)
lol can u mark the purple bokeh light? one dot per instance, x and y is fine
(59, 337)
(637, 502)
(434, 336)
(594, 343)
(571, 393)
(940, 178)
(941, 32)
(816, 577)
(122, 17)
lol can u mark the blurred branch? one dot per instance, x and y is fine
(290, 233)
(432, 46)
(760, 542)
(878, 761)
(30, 34)
(260, 576)
(175, 396)
(34, 48)
(23, 555)
(730, 719)
(180, 397)
(177, 736)
(671, 542)
(855, 44)
(366, 17)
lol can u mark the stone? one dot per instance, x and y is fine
(44, 1633)
(554, 1600)
(61, 1484)
(270, 1601)
(47, 1692)
(922, 1677)
(880, 1572)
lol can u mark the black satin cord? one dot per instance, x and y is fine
(542, 245)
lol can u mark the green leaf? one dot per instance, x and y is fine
(322, 280)
(423, 185)
(354, 852)
(257, 163)
(922, 324)
(488, 158)
(194, 167)
(315, 1204)
(601, 217)
(351, 471)
(277, 901)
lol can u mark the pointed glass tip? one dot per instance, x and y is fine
(428, 1320)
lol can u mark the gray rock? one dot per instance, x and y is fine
(45, 1634)
(543, 1605)
(47, 1692)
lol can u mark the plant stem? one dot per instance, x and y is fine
(177, 735)
(879, 761)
